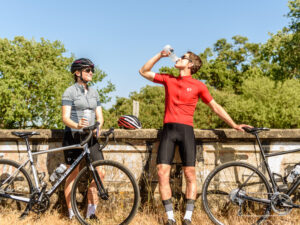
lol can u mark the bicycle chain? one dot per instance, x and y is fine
(273, 204)
(41, 206)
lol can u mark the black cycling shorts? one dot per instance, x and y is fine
(72, 138)
(177, 134)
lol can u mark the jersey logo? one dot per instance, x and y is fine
(189, 89)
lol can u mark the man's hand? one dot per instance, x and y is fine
(239, 127)
(164, 54)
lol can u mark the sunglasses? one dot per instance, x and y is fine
(185, 57)
(88, 70)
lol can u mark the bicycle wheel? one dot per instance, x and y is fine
(14, 182)
(123, 194)
(219, 194)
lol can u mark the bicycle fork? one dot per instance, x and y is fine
(101, 190)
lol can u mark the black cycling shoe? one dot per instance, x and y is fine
(93, 217)
(171, 222)
(186, 222)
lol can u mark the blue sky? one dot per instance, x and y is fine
(121, 35)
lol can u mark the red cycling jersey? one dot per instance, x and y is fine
(182, 94)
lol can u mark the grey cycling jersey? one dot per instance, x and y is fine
(80, 100)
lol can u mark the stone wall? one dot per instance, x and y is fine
(137, 149)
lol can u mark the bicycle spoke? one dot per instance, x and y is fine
(121, 202)
(13, 182)
(222, 201)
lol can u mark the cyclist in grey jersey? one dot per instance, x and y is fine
(81, 99)
(75, 100)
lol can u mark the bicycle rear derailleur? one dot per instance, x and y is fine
(235, 198)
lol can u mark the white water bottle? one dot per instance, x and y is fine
(58, 172)
(293, 174)
(169, 49)
(87, 114)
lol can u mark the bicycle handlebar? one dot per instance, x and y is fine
(107, 133)
(90, 129)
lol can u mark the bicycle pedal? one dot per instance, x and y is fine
(23, 215)
(104, 196)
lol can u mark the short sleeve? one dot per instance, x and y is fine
(66, 98)
(160, 78)
(204, 94)
(98, 99)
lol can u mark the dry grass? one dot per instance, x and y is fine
(148, 217)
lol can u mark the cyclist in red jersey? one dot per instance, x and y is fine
(181, 96)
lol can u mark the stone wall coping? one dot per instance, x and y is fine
(153, 134)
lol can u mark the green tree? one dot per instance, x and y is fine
(264, 103)
(227, 65)
(33, 76)
(256, 83)
(151, 100)
(280, 56)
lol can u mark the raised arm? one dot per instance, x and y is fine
(220, 111)
(145, 71)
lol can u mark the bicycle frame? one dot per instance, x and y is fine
(269, 155)
(264, 155)
(86, 152)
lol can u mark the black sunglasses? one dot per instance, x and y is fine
(88, 70)
(185, 57)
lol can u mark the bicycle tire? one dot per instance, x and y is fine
(20, 184)
(123, 191)
(219, 194)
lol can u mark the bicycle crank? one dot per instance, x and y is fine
(281, 204)
(39, 205)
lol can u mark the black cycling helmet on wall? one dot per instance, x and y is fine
(129, 122)
(80, 64)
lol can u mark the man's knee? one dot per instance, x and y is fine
(163, 172)
(190, 174)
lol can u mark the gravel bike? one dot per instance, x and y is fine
(239, 192)
(116, 187)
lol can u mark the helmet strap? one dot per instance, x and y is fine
(81, 78)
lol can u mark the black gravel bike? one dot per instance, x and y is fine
(239, 192)
(116, 189)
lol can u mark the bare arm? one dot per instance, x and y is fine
(66, 118)
(220, 111)
(99, 117)
(145, 71)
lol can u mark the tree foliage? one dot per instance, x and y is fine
(33, 76)
(151, 101)
(257, 84)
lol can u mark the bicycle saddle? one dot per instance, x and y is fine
(255, 130)
(25, 134)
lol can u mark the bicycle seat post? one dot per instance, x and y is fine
(34, 172)
(265, 162)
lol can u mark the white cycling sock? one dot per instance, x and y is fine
(71, 213)
(189, 209)
(188, 215)
(91, 210)
(169, 209)
(170, 215)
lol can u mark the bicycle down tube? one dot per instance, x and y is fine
(37, 185)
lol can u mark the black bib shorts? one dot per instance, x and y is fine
(72, 138)
(177, 134)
